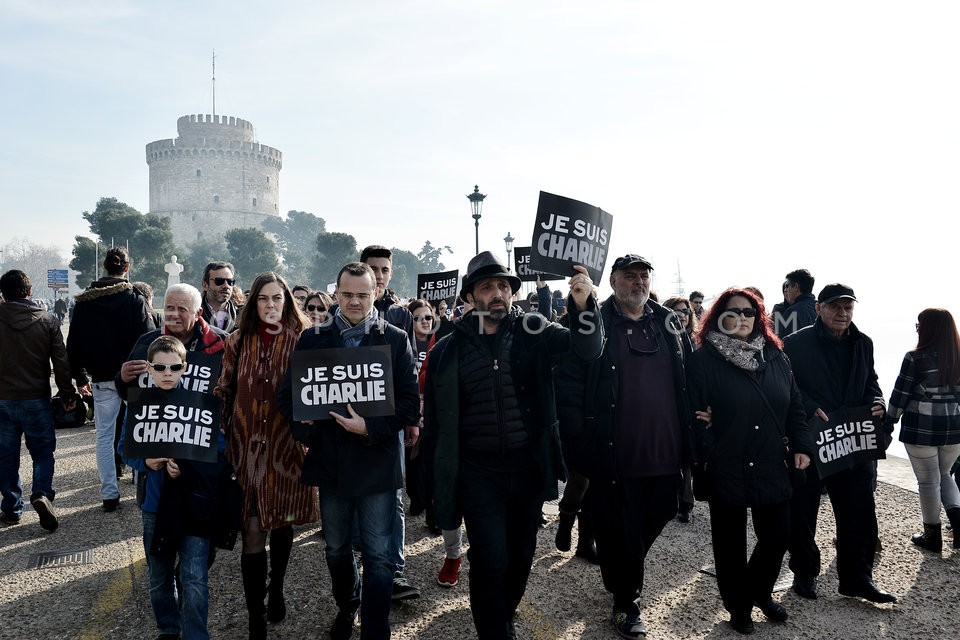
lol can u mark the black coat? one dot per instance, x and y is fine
(587, 396)
(346, 463)
(107, 321)
(818, 377)
(743, 452)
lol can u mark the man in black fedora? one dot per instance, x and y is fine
(489, 406)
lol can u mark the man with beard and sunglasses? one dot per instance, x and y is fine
(624, 425)
(489, 409)
(217, 285)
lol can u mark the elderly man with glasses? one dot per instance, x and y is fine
(624, 425)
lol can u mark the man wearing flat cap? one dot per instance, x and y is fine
(624, 425)
(833, 365)
(489, 406)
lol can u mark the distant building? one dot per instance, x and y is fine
(213, 177)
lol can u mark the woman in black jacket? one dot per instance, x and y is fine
(750, 426)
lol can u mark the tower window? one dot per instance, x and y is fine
(254, 202)
(268, 179)
(216, 199)
(198, 173)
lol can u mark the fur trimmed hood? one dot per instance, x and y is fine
(104, 287)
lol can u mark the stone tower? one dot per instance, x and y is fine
(214, 177)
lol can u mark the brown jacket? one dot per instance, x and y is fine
(261, 446)
(29, 339)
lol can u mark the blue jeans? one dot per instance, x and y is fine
(375, 514)
(34, 421)
(190, 618)
(106, 406)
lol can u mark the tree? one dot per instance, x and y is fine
(429, 257)
(84, 260)
(334, 250)
(251, 253)
(114, 223)
(34, 260)
(406, 266)
(199, 255)
(296, 237)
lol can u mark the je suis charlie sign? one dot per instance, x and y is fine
(569, 232)
(177, 424)
(326, 380)
(434, 287)
(201, 374)
(847, 437)
(521, 267)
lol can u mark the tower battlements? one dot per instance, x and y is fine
(213, 177)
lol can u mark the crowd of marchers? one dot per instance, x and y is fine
(642, 408)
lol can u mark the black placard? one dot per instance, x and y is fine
(177, 424)
(848, 436)
(521, 267)
(569, 232)
(434, 287)
(326, 380)
(201, 374)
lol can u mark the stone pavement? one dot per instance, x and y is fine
(107, 598)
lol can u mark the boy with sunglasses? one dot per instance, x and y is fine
(169, 531)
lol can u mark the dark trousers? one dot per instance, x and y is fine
(502, 502)
(628, 516)
(851, 495)
(741, 581)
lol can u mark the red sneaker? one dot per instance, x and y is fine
(449, 573)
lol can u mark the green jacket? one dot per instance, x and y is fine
(535, 343)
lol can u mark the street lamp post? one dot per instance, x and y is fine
(476, 205)
(508, 242)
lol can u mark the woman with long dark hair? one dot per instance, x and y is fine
(260, 444)
(750, 426)
(926, 396)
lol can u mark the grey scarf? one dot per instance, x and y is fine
(353, 334)
(740, 353)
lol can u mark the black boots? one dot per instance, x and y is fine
(564, 529)
(931, 539)
(253, 568)
(954, 516)
(586, 547)
(281, 542)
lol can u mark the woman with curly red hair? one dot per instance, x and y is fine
(748, 409)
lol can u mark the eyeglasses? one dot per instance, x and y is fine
(787, 285)
(682, 310)
(160, 368)
(422, 318)
(746, 312)
(316, 307)
(350, 296)
(222, 281)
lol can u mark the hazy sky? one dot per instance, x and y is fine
(742, 139)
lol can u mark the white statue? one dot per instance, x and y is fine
(173, 269)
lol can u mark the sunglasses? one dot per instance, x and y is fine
(746, 312)
(163, 367)
(682, 310)
(422, 318)
(316, 307)
(221, 281)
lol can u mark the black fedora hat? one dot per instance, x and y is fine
(486, 265)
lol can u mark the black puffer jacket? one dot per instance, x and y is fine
(107, 321)
(743, 451)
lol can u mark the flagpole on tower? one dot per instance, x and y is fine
(214, 82)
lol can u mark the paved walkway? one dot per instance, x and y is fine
(107, 598)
